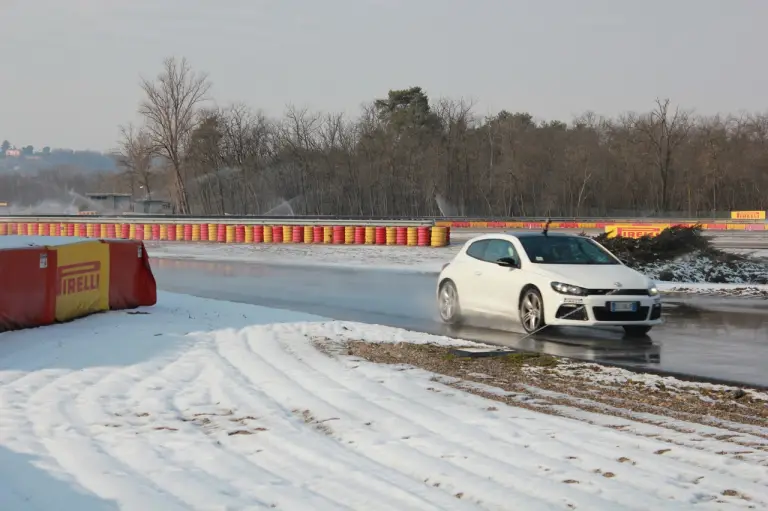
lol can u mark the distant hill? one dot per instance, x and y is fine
(26, 159)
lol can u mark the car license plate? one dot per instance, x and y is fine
(623, 306)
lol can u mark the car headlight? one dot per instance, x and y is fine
(567, 289)
(653, 291)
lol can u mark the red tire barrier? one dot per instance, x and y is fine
(359, 235)
(24, 229)
(297, 234)
(155, 232)
(317, 234)
(338, 234)
(45, 230)
(423, 236)
(221, 233)
(70, 229)
(277, 234)
(33, 229)
(381, 235)
(187, 232)
(125, 231)
(139, 232)
(204, 232)
(258, 234)
(111, 232)
(239, 234)
(401, 235)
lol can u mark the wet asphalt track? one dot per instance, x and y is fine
(719, 345)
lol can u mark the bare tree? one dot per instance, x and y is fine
(170, 109)
(135, 155)
(664, 132)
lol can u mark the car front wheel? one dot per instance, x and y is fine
(448, 303)
(532, 310)
(636, 330)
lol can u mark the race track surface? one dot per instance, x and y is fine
(720, 345)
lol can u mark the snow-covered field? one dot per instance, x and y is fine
(197, 404)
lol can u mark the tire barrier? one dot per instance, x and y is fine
(602, 224)
(43, 285)
(411, 236)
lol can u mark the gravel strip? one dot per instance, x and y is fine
(560, 387)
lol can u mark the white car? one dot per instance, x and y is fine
(547, 279)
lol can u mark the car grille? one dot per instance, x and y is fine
(605, 314)
(573, 312)
(618, 292)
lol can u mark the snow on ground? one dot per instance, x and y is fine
(198, 404)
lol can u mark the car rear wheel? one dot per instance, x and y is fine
(448, 303)
(532, 310)
(636, 330)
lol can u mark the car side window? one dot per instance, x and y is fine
(498, 249)
(477, 249)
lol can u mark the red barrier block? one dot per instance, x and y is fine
(131, 282)
(28, 293)
(317, 234)
(297, 234)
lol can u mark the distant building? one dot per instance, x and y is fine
(13, 153)
(153, 207)
(106, 203)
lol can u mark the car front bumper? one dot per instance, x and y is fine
(596, 310)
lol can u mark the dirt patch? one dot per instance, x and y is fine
(545, 383)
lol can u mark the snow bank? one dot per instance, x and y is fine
(197, 404)
(38, 241)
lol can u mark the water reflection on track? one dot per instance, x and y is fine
(719, 345)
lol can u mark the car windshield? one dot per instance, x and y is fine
(565, 250)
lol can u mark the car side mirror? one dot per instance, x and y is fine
(507, 262)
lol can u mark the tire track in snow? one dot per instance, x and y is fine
(49, 412)
(453, 427)
(328, 454)
(306, 382)
(597, 449)
(156, 452)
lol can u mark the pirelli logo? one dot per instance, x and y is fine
(78, 278)
(637, 232)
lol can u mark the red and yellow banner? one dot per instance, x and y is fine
(748, 215)
(82, 279)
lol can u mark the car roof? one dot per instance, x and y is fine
(538, 234)
(518, 234)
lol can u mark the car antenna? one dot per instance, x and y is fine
(546, 226)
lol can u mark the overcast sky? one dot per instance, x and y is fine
(71, 67)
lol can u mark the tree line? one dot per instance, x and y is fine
(409, 155)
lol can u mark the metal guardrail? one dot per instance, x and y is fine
(243, 220)
(326, 218)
